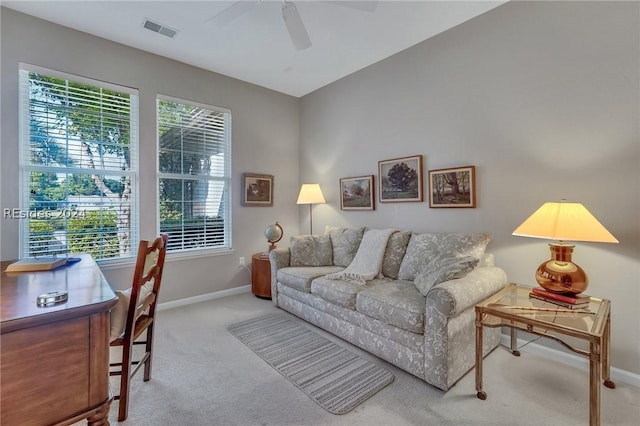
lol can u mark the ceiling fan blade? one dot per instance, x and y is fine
(231, 13)
(295, 26)
(366, 6)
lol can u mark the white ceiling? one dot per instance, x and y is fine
(256, 47)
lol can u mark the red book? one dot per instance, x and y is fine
(573, 299)
(577, 306)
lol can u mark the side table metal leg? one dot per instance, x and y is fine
(514, 342)
(480, 393)
(594, 385)
(605, 355)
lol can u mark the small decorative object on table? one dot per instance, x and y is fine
(273, 234)
(52, 298)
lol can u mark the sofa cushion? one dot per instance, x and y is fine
(338, 292)
(394, 253)
(443, 269)
(394, 302)
(344, 243)
(300, 277)
(428, 246)
(310, 250)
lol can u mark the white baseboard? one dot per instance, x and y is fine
(204, 297)
(617, 374)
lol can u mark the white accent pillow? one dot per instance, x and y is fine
(119, 311)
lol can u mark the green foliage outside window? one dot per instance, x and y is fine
(96, 234)
(79, 161)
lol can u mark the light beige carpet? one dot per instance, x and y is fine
(331, 375)
(202, 375)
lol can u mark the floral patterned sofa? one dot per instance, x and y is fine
(418, 313)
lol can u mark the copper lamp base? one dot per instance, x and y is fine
(560, 274)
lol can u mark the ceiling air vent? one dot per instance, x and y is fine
(158, 28)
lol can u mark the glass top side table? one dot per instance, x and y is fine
(591, 325)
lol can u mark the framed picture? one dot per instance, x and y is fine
(257, 190)
(400, 179)
(356, 193)
(454, 187)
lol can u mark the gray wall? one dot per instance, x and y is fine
(542, 97)
(265, 140)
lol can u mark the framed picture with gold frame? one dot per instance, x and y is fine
(257, 190)
(453, 188)
(357, 193)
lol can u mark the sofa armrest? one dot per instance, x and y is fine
(453, 297)
(278, 258)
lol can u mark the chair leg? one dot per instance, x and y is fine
(125, 380)
(149, 350)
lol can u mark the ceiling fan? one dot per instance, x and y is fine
(290, 16)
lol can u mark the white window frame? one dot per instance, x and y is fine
(25, 167)
(227, 198)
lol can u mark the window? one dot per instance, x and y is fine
(194, 174)
(78, 165)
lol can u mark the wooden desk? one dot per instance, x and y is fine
(54, 365)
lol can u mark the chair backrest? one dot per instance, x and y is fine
(147, 278)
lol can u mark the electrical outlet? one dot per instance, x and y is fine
(241, 261)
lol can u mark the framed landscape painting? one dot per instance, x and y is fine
(400, 179)
(453, 188)
(356, 193)
(257, 190)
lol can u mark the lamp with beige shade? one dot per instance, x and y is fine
(310, 193)
(563, 221)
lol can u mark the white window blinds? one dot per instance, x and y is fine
(79, 165)
(194, 174)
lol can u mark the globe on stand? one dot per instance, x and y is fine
(273, 233)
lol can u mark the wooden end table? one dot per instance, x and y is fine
(261, 276)
(513, 308)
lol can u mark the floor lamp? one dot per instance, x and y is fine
(310, 193)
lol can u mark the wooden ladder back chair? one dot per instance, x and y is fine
(147, 277)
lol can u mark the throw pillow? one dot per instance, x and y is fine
(310, 250)
(428, 246)
(345, 243)
(120, 310)
(119, 313)
(393, 255)
(443, 269)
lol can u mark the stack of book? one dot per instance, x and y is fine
(570, 301)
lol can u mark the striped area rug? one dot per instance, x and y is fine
(337, 379)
